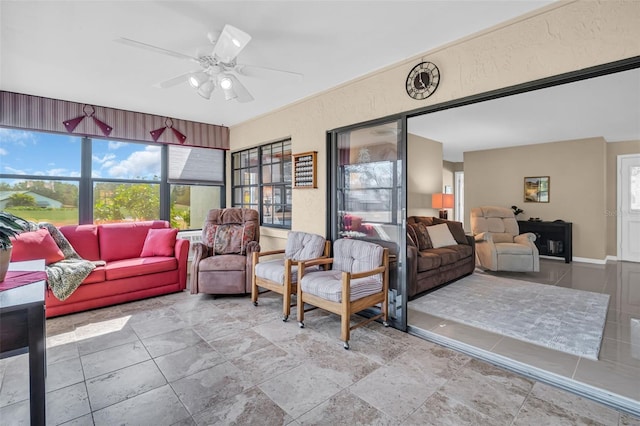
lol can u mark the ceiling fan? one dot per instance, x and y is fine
(217, 69)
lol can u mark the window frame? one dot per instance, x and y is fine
(86, 181)
(241, 164)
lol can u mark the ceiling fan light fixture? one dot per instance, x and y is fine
(225, 83)
(206, 89)
(197, 79)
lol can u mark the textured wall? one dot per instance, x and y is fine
(560, 38)
(425, 175)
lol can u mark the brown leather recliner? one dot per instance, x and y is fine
(222, 262)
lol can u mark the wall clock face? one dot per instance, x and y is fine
(423, 80)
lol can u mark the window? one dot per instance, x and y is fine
(196, 176)
(261, 180)
(40, 176)
(75, 180)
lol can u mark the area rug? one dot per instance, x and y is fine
(559, 318)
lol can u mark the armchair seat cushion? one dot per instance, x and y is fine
(273, 270)
(513, 248)
(328, 285)
(227, 262)
(448, 255)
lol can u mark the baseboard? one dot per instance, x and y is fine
(589, 260)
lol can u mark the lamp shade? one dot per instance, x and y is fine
(442, 201)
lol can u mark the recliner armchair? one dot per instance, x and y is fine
(499, 244)
(222, 262)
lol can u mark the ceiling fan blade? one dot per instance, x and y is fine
(242, 93)
(257, 71)
(230, 43)
(141, 45)
(174, 81)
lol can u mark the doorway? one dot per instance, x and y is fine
(628, 212)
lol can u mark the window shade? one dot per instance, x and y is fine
(196, 164)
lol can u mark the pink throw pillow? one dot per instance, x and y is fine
(35, 245)
(159, 242)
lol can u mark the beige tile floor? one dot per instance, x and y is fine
(616, 372)
(191, 359)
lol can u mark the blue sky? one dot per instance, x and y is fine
(32, 153)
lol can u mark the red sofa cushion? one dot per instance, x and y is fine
(159, 242)
(139, 266)
(35, 245)
(98, 275)
(120, 241)
(84, 240)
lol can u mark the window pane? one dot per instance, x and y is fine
(124, 160)
(50, 201)
(57, 155)
(634, 187)
(123, 202)
(190, 205)
(266, 174)
(250, 176)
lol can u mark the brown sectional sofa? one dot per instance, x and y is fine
(430, 267)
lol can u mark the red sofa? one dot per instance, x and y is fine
(125, 276)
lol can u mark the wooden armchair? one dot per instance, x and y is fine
(359, 279)
(281, 275)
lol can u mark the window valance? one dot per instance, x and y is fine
(58, 116)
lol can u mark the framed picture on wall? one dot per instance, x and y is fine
(536, 189)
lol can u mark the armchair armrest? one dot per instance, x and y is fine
(526, 238)
(484, 236)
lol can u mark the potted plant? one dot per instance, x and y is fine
(10, 226)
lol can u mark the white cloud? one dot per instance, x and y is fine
(115, 145)
(3, 151)
(19, 137)
(140, 164)
(11, 170)
(57, 172)
(104, 159)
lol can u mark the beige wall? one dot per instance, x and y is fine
(613, 150)
(563, 37)
(576, 193)
(424, 177)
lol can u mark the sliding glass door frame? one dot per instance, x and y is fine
(398, 199)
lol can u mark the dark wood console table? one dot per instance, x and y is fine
(552, 238)
(22, 329)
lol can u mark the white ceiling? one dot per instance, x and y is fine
(66, 49)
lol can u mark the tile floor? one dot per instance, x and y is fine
(618, 369)
(188, 359)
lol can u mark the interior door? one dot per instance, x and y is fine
(629, 207)
(367, 196)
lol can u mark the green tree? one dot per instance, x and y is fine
(22, 200)
(138, 201)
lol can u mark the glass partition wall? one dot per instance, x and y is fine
(366, 196)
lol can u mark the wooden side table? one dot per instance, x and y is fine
(23, 329)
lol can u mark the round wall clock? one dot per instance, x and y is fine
(423, 80)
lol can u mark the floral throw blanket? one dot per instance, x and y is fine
(64, 277)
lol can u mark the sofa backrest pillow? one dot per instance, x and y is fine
(441, 236)
(120, 241)
(35, 245)
(159, 242)
(83, 239)
(456, 229)
(423, 239)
